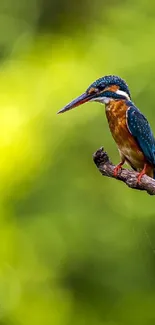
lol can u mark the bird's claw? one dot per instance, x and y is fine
(141, 174)
(116, 169)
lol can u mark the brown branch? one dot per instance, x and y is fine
(127, 176)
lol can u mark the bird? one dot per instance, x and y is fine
(129, 127)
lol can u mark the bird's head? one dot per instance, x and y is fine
(102, 90)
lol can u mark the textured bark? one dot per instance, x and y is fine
(127, 176)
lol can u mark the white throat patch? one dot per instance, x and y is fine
(103, 100)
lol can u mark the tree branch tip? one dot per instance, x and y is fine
(129, 177)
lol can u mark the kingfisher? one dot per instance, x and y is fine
(129, 127)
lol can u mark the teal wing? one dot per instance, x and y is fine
(140, 129)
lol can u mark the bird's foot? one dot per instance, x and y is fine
(117, 168)
(141, 174)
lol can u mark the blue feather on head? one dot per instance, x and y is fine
(110, 80)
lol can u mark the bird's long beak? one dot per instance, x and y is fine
(76, 102)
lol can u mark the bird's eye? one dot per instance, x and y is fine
(100, 87)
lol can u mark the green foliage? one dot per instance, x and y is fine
(76, 248)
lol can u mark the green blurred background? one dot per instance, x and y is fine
(75, 248)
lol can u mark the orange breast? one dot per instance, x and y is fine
(129, 149)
